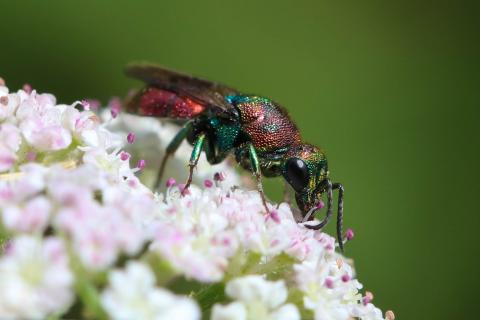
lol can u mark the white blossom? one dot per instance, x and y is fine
(35, 279)
(67, 172)
(256, 298)
(132, 294)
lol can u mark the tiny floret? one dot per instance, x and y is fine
(131, 137)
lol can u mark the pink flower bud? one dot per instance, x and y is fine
(141, 164)
(85, 104)
(115, 105)
(274, 216)
(170, 182)
(124, 156)
(219, 176)
(320, 205)
(208, 183)
(345, 278)
(367, 298)
(27, 88)
(349, 234)
(329, 283)
(131, 137)
(90, 104)
(389, 315)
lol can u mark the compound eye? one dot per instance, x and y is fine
(297, 174)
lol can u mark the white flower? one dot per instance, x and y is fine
(65, 171)
(232, 311)
(100, 231)
(330, 289)
(35, 280)
(256, 298)
(32, 217)
(132, 294)
(29, 182)
(43, 129)
(8, 103)
(10, 140)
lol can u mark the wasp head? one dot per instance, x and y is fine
(305, 169)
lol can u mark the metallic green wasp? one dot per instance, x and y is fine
(221, 121)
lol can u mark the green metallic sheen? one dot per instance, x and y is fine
(197, 149)
(257, 130)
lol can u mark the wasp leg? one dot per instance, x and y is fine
(258, 175)
(196, 152)
(322, 223)
(341, 190)
(330, 188)
(171, 148)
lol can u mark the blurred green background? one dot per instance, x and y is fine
(389, 88)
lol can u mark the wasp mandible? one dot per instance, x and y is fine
(221, 120)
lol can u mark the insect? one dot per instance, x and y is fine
(220, 120)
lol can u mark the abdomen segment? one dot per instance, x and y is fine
(155, 102)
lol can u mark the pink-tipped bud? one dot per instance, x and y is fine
(170, 182)
(27, 88)
(141, 164)
(85, 104)
(274, 216)
(124, 156)
(208, 183)
(345, 278)
(115, 105)
(367, 298)
(219, 176)
(131, 137)
(90, 104)
(349, 234)
(320, 205)
(329, 283)
(389, 315)
(2, 82)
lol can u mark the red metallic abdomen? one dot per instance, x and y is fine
(155, 102)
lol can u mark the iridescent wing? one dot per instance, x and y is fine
(210, 94)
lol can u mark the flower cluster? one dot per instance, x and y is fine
(83, 230)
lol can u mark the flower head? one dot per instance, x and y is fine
(256, 298)
(132, 294)
(35, 280)
(74, 211)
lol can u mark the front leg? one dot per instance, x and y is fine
(195, 156)
(255, 164)
(171, 148)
